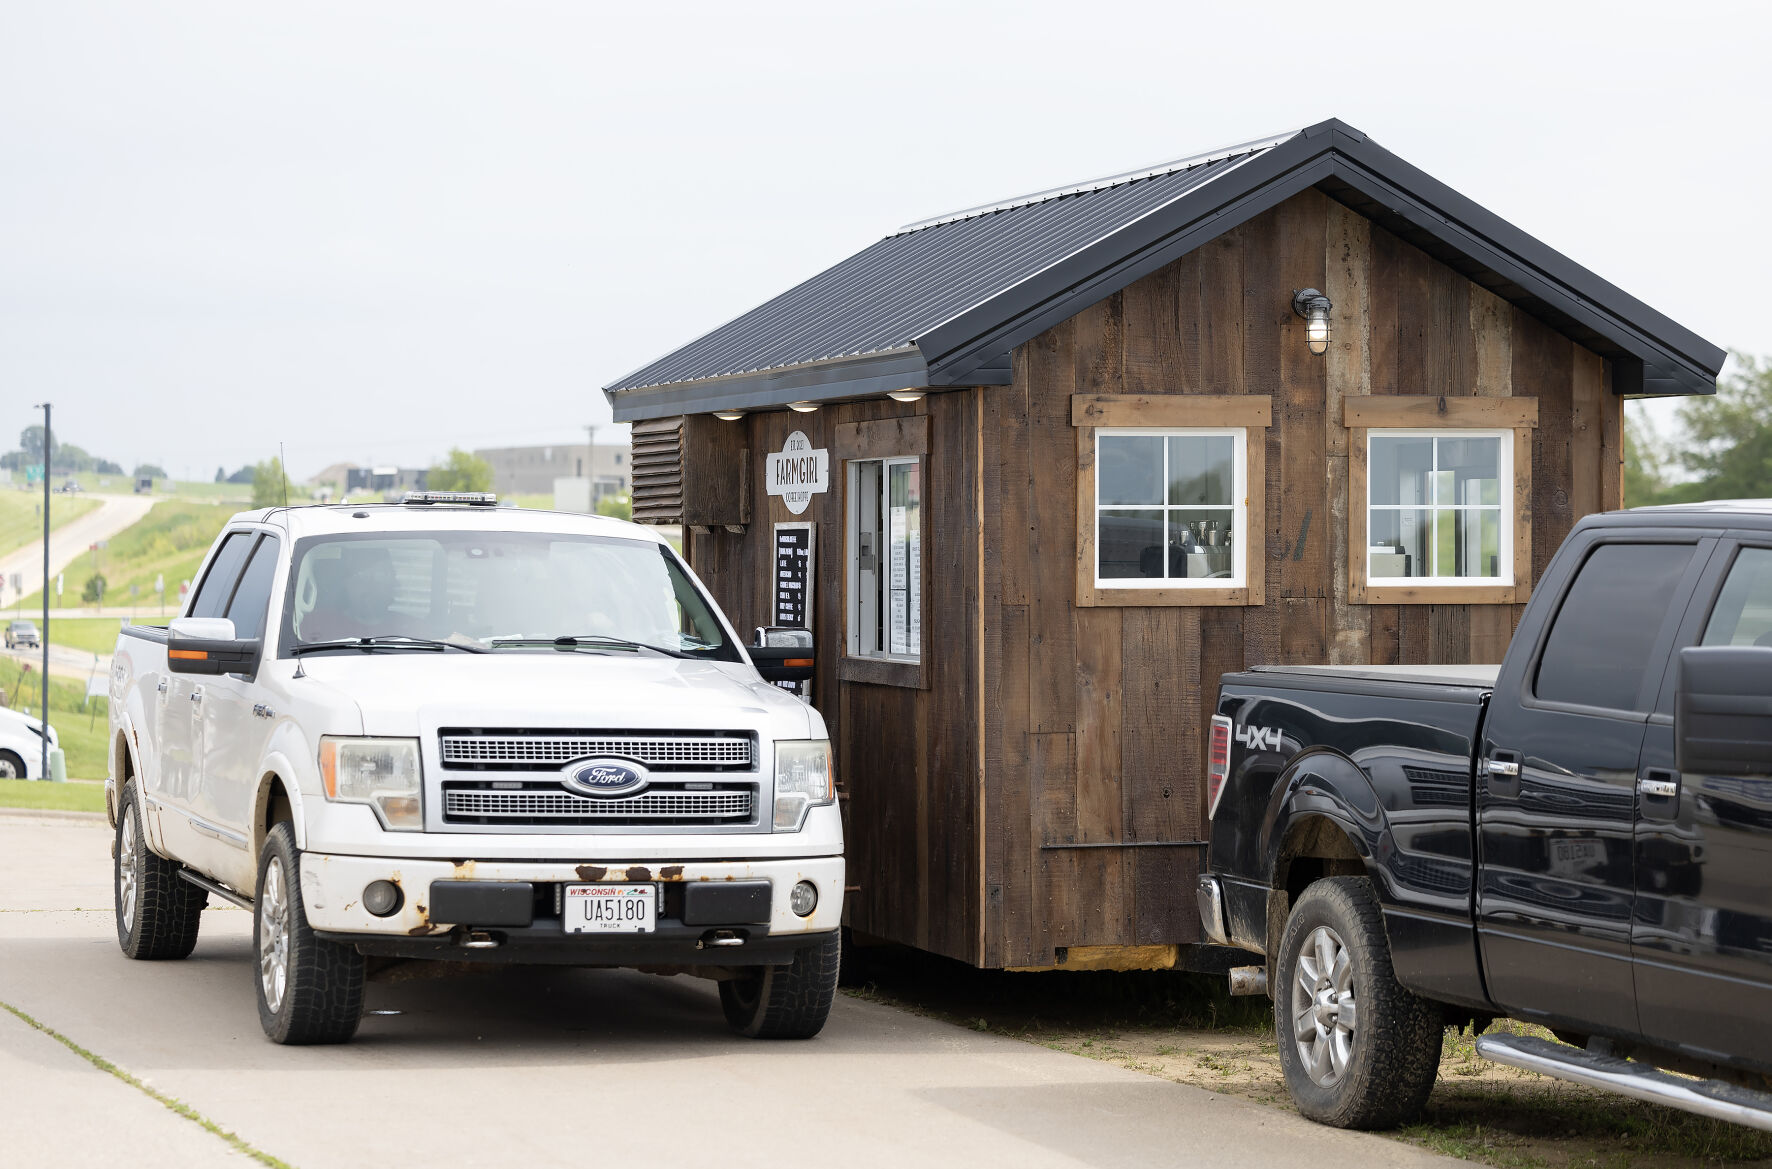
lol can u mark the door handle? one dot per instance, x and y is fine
(161, 686)
(1658, 784)
(1503, 770)
(197, 695)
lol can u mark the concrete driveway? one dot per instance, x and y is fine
(541, 1067)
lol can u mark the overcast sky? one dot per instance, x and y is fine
(373, 231)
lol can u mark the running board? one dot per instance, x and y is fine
(222, 891)
(1718, 1099)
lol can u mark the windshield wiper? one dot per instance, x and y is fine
(386, 641)
(589, 640)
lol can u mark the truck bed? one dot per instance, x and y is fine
(1480, 676)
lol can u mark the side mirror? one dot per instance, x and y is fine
(782, 654)
(207, 645)
(1723, 710)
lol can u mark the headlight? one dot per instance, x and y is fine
(802, 780)
(383, 773)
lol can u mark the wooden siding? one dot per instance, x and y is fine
(909, 756)
(1095, 718)
(1036, 782)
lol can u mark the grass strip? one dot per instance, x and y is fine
(171, 1103)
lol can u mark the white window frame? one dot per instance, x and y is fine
(1238, 509)
(856, 598)
(1504, 508)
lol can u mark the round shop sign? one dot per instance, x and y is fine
(797, 472)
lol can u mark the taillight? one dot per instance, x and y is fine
(1218, 762)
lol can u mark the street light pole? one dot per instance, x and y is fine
(43, 680)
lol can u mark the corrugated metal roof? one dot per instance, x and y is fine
(888, 295)
(943, 301)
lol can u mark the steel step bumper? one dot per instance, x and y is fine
(1714, 1098)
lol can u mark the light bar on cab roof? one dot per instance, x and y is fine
(471, 498)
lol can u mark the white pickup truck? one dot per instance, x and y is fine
(442, 729)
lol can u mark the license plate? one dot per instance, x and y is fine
(610, 909)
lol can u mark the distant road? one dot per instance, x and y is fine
(66, 543)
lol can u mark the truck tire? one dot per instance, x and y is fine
(157, 914)
(785, 1002)
(1357, 1049)
(309, 990)
(11, 766)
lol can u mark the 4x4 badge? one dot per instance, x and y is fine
(1259, 738)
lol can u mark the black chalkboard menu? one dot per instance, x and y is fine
(793, 575)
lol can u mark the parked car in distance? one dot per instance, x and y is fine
(1577, 837)
(22, 635)
(21, 745)
(444, 730)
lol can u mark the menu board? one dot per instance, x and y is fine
(793, 575)
(793, 586)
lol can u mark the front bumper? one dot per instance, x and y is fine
(332, 890)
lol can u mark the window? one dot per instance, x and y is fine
(253, 596)
(211, 598)
(885, 559)
(1743, 614)
(1169, 508)
(1598, 650)
(1439, 507)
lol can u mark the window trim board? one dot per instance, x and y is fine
(1252, 592)
(1363, 412)
(882, 671)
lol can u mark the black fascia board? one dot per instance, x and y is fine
(1671, 358)
(865, 376)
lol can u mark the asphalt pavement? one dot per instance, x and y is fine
(540, 1067)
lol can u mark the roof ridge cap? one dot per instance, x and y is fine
(1251, 146)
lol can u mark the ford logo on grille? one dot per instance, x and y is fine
(606, 777)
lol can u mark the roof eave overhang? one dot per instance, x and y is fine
(866, 375)
(1658, 355)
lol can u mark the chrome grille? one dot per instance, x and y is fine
(514, 751)
(541, 805)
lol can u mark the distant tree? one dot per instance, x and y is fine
(1730, 448)
(30, 441)
(270, 486)
(69, 457)
(1645, 464)
(244, 474)
(221, 474)
(461, 471)
(13, 461)
(94, 590)
(620, 507)
(151, 471)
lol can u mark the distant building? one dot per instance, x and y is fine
(533, 470)
(385, 480)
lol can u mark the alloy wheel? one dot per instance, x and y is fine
(273, 935)
(126, 867)
(1324, 1013)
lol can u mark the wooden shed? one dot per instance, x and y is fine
(1037, 473)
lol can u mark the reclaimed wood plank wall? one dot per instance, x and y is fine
(909, 759)
(1096, 717)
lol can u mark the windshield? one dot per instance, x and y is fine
(504, 591)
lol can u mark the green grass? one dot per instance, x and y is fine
(542, 500)
(125, 485)
(98, 635)
(21, 517)
(170, 540)
(83, 733)
(56, 797)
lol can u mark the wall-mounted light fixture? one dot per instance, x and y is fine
(729, 415)
(906, 395)
(1314, 307)
(803, 407)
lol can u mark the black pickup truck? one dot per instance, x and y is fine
(1580, 837)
